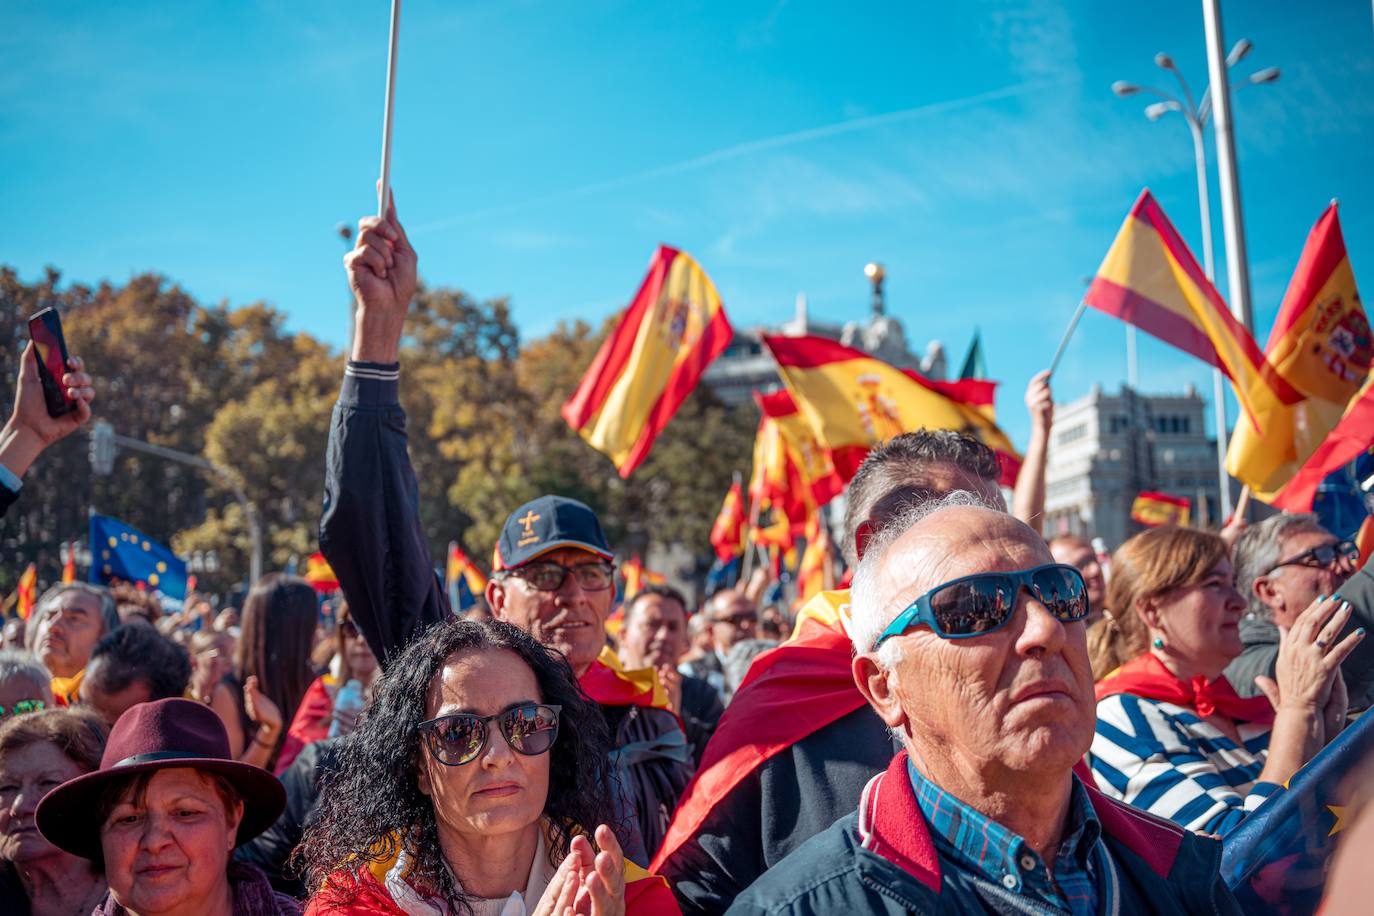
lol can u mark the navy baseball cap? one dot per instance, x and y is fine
(545, 524)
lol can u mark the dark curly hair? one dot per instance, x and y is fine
(372, 805)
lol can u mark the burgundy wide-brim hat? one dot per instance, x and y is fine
(160, 735)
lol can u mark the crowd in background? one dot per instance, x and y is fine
(978, 724)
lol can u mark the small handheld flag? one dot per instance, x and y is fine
(319, 574)
(465, 581)
(1155, 509)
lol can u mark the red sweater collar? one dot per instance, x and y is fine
(1146, 676)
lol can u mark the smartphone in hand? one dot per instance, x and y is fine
(45, 328)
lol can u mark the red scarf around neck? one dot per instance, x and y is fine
(1147, 677)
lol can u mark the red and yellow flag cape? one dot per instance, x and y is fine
(790, 692)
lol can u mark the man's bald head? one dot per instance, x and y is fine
(911, 469)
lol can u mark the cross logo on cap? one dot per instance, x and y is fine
(528, 521)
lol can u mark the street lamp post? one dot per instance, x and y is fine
(1196, 114)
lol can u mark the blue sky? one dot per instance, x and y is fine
(543, 149)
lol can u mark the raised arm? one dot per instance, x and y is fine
(370, 531)
(1028, 499)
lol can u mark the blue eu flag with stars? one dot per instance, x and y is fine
(121, 552)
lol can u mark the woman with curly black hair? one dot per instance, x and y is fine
(474, 784)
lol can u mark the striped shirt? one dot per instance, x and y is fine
(966, 838)
(1167, 760)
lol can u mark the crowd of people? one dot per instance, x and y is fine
(985, 721)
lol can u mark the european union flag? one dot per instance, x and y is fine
(1275, 861)
(121, 552)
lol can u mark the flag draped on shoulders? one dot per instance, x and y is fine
(610, 683)
(789, 693)
(651, 361)
(854, 401)
(1321, 347)
(1150, 279)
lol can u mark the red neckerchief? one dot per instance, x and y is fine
(1147, 677)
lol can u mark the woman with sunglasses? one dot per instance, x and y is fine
(1173, 736)
(331, 705)
(476, 782)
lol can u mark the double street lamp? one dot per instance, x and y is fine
(1196, 113)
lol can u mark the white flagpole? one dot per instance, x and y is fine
(384, 190)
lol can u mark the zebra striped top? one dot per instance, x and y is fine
(1165, 759)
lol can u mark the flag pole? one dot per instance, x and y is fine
(748, 565)
(384, 189)
(1068, 332)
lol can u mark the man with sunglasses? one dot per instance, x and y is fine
(1283, 564)
(971, 648)
(552, 570)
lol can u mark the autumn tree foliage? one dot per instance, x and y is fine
(234, 386)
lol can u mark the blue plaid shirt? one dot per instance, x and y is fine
(967, 839)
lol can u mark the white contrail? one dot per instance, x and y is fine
(744, 149)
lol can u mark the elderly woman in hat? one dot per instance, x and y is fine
(162, 815)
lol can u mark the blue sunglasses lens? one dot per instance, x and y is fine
(984, 603)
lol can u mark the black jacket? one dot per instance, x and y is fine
(271, 849)
(790, 798)
(7, 498)
(371, 535)
(701, 710)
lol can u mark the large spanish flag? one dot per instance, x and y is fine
(651, 361)
(1321, 346)
(815, 464)
(781, 501)
(855, 401)
(1151, 280)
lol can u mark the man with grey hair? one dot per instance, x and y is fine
(971, 649)
(1283, 564)
(67, 623)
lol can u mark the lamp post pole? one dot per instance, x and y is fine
(1195, 114)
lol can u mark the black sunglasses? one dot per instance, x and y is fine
(461, 738)
(1322, 557)
(979, 604)
(549, 577)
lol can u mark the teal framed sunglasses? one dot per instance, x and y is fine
(983, 603)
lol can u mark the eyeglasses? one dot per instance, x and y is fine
(462, 737)
(1323, 556)
(980, 604)
(549, 577)
(23, 706)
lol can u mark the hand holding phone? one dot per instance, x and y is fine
(45, 329)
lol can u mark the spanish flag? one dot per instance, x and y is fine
(727, 534)
(1154, 509)
(69, 567)
(816, 572)
(855, 401)
(319, 574)
(651, 361)
(1321, 346)
(610, 683)
(636, 577)
(28, 591)
(1151, 280)
(460, 566)
(776, 489)
(814, 462)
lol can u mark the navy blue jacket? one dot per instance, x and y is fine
(881, 859)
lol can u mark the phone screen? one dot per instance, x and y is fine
(46, 330)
